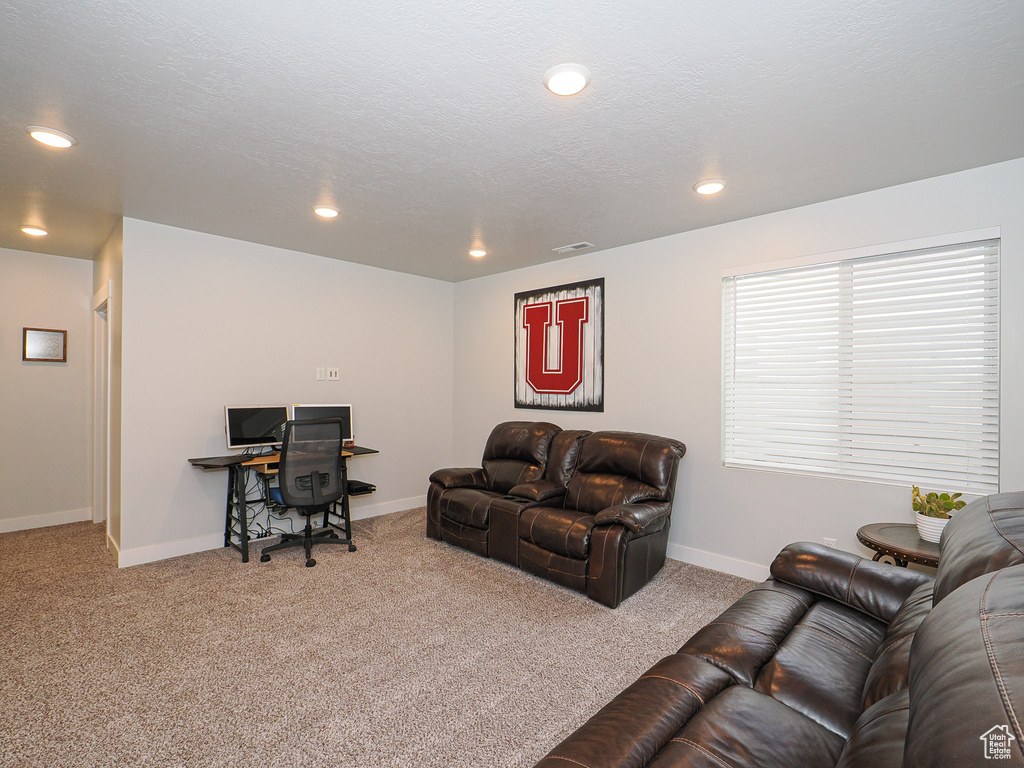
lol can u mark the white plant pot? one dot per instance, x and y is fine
(930, 528)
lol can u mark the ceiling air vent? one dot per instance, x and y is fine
(570, 248)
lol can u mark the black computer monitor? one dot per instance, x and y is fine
(254, 426)
(301, 411)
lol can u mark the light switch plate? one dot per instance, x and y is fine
(320, 373)
(332, 374)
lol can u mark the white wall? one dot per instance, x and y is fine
(45, 408)
(663, 357)
(210, 321)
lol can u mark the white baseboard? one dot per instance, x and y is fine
(154, 552)
(724, 563)
(45, 520)
(386, 507)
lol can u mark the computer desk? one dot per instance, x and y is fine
(236, 513)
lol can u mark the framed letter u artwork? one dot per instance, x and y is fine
(559, 347)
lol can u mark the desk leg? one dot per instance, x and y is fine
(243, 513)
(344, 499)
(230, 507)
(236, 510)
(346, 519)
(345, 511)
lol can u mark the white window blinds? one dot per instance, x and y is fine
(884, 368)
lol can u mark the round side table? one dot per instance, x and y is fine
(900, 542)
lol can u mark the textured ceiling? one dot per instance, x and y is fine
(427, 123)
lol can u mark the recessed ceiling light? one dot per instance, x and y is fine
(50, 137)
(709, 186)
(566, 79)
(325, 211)
(478, 253)
(28, 229)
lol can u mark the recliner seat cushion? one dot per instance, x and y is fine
(746, 635)
(741, 727)
(878, 735)
(811, 654)
(562, 531)
(821, 665)
(467, 506)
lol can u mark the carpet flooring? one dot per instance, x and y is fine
(408, 652)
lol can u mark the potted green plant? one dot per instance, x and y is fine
(933, 512)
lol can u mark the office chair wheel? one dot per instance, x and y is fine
(310, 563)
(264, 558)
(351, 547)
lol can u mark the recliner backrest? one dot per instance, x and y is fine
(564, 455)
(622, 468)
(984, 536)
(517, 452)
(967, 676)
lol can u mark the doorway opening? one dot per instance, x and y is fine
(101, 409)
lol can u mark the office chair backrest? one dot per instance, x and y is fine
(311, 447)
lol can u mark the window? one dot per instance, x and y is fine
(882, 368)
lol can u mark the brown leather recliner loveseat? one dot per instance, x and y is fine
(588, 510)
(841, 661)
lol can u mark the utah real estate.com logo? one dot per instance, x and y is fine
(997, 742)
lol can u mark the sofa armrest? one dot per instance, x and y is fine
(460, 477)
(640, 518)
(539, 490)
(877, 589)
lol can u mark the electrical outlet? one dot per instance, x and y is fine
(320, 373)
(831, 543)
(332, 374)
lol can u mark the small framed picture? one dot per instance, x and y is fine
(44, 345)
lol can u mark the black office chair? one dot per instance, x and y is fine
(310, 480)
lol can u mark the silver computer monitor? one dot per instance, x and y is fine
(301, 411)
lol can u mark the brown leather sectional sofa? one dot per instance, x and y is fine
(588, 510)
(840, 661)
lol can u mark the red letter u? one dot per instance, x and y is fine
(570, 316)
